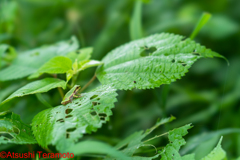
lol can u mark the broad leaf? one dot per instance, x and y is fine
(86, 147)
(134, 142)
(13, 130)
(30, 61)
(176, 141)
(150, 62)
(217, 153)
(64, 125)
(81, 54)
(56, 65)
(39, 86)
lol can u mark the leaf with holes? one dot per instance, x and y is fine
(13, 130)
(30, 61)
(56, 65)
(39, 86)
(150, 62)
(176, 141)
(64, 125)
(134, 142)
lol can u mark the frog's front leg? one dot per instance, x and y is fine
(77, 96)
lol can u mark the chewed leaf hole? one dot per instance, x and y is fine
(67, 135)
(147, 51)
(16, 130)
(94, 96)
(197, 54)
(102, 114)
(69, 110)
(71, 129)
(102, 118)
(94, 103)
(93, 113)
(173, 61)
(184, 64)
(60, 120)
(6, 135)
(68, 116)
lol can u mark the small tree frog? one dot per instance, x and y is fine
(71, 94)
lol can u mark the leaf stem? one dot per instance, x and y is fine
(155, 137)
(60, 90)
(91, 80)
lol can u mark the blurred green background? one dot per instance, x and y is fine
(208, 96)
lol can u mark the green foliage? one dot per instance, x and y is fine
(39, 86)
(134, 141)
(64, 125)
(82, 54)
(29, 62)
(86, 147)
(202, 21)
(217, 153)
(168, 57)
(208, 96)
(136, 22)
(176, 141)
(56, 65)
(13, 130)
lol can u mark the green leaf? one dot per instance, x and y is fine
(63, 125)
(3, 48)
(30, 61)
(89, 63)
(81, 54)
(86, 147)
(136, 23)
(202, 21)
(134, 141)
(55, 65)
(217, 153)
(176, 141)
(202, 138)
(39, 86)
(13, 130)
(150, 62)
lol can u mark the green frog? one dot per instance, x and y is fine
(73, 93)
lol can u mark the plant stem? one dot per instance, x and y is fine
(155, 137)
(91, 80)
(60, 90)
